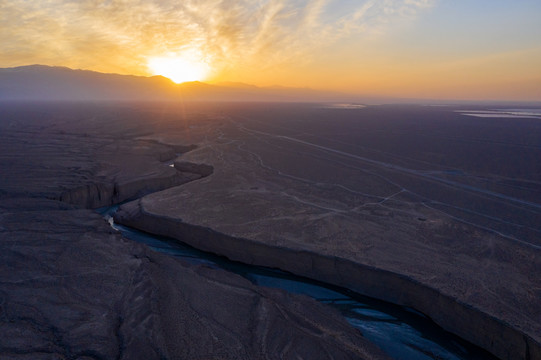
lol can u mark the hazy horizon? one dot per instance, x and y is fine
(60, 83)
(418, 49)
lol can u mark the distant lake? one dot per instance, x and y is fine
(531, 113)
(345, 106)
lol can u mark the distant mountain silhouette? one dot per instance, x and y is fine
(39, 82)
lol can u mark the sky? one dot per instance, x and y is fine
(447, 49)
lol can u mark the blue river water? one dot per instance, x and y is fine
(403, 333)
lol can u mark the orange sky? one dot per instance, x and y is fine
(455, 49)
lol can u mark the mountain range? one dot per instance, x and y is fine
(53, 83)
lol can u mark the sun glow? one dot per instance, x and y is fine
(179, 68)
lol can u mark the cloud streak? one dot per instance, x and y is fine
(120, 35)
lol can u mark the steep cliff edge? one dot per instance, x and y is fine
(467, 320)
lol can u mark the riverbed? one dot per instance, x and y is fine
(403, 333)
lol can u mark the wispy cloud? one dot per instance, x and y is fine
(120, 35)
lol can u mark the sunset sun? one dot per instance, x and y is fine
(179, 69)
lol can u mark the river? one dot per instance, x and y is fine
(403, 333)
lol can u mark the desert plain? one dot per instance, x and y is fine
(421, 206)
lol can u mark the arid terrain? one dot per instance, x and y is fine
(73, 288)
(420, 206)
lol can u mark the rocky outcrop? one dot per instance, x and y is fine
(90, 196)
(97, 195)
